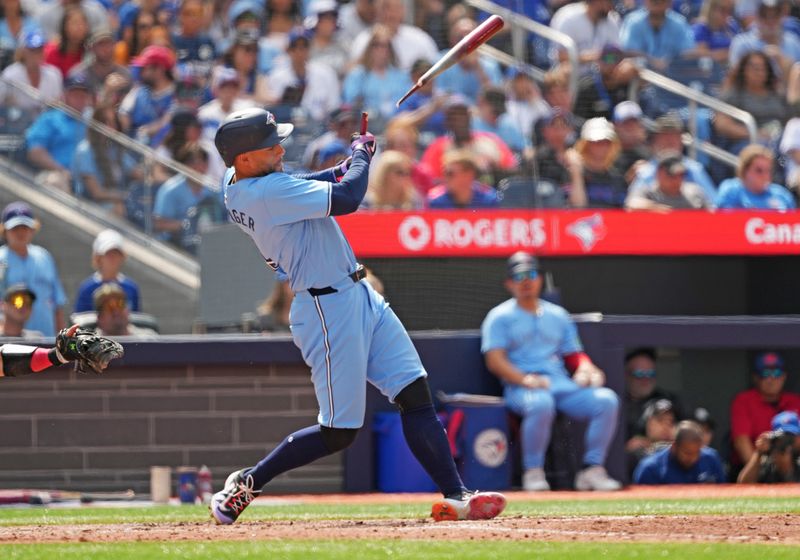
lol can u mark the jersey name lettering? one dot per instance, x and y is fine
(242, 219)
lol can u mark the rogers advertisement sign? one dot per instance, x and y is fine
(497, 233)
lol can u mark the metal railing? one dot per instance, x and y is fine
(695, 98)
(521, 23)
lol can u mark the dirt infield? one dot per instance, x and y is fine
(754, 528)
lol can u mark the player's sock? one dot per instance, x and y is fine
(428, 442)
(298, 449)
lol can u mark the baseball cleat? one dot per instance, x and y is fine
(228, 504)
(470, 505)
(595, 478)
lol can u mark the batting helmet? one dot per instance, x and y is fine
(248, 130)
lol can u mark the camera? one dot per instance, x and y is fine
(780, 441)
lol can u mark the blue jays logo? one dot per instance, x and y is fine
(588, 231)
(491, 448)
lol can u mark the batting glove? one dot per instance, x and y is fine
(364, 142)
(341, 168)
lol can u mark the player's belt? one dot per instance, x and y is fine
(359, 274)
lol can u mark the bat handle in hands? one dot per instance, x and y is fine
(364, 122)
(363, 139)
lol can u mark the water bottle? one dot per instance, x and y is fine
(204, 487)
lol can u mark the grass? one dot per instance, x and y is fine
(383, 548)
(165, 514)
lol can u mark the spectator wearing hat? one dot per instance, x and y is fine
(391, 184)
(103, 169)
(17, 307)
(461, 188)
(602, 185)
(303, 83)
(146, 110)
(342, 122)
(471, 74)
(493, 154)
(108, 257)
(331, 153)
(668, 137)
(752, 188)
(54, 136)
(655, 430)
(242, 58)
(752, 410)
(553, 160)
(604, 84)
(776, 458)
(702, 417)
(113, 313)
(592, 25)
(226, 86)
(641, 388)
(492, 117)
(377, 82)
(410, 43)
(179, 199)
(767, 35)
(67, 50)
(32, 265)
(99, 64)
(632, 136)
(685, 461)
(50, 16)
(31, 70)
(327, 46)
(195, 51)
(671, 191)
(532, 345)
(658, 33)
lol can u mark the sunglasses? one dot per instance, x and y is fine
(21, 300)
(644, 373)
(524, 275)
(770, 372)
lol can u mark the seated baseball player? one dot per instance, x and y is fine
(83, 347)
(531, 345)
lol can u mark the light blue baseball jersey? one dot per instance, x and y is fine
(534, 342)
(288, 219)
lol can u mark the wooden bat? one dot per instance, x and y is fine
(472, 41)
(364, 122)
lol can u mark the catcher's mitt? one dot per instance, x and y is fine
(89, 351)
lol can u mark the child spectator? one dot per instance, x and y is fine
(108, 257)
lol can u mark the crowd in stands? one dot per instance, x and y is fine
(166, 73)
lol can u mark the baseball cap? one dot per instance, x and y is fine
(769, 361)
(703, 417)
(555, 114)
(343, 114)
(225, 76)
(107, 240)
(668, 122)
(627, 110)
(106, 291)
(18, 288)
(671, 162)
(183, 116)
(298, 34)
(99, 35)
(521, 262)
(334, 148)
(656, 407)
(242, 7)
(33, 39)
(77, 81)
(245, 37)
(156, 55)
(316, 9)
(597, 129)
(456, 101)
(18, 214)
(770, 4)
(786, 421)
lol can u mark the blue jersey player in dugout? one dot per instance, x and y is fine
(347, 333)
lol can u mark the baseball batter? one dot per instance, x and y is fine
(530, 345)
(347, 333)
